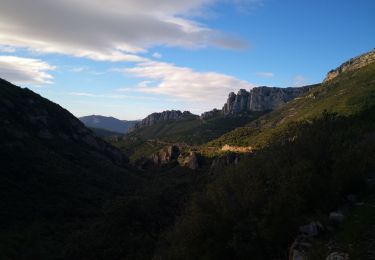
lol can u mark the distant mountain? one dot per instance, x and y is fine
(108, 123)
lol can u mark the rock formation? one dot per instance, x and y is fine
(166, 155)
(191, 161)
(174, 154)
(352, 64)
(164, 116)
(210, 114)
(260, 99)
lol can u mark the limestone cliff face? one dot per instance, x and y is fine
(352, 64)
(163, 116)
(210, 114)
(260, 99)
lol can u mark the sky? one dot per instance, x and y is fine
(129, 58)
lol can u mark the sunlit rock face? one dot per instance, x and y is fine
(352, 64)
(260, 99)
(164, 116)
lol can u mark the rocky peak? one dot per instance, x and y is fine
(260, 99)
(352, 64)
(214, 112)
(164, 116)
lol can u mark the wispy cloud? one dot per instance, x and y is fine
(110, 96)
(265, 74)
(299, 81)
(78, 69)
(209, 89)
(157, 55)
(82, 94)
(25, 70)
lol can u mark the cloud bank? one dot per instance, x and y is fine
(24, 70)
(111, 30)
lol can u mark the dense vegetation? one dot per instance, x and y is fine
(254, 209)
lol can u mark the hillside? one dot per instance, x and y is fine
(103, 133)
(191, 131)
(108, 123)
(54, 172)
(67, 194)
(349, 93)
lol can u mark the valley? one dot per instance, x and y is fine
(276, 172)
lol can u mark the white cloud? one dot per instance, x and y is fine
(299, 81)
(110, 96)
(25, 70)
(205, 90)
(82, 94)
(111, 30)
(157, 55)
(265, 74)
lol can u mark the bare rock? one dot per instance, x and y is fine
(352, 64)
(166, 155)
(191, 161)
(338, 256)
(163, 116)
(260, 99)
(210, 114)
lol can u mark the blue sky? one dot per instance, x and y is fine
(130, 58)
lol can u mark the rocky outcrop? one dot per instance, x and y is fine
(352, 64)
(210, 114)
(163, 116)
(175, 154)
(338, 256)
(191, 161)
(166, 155)
(260, 99)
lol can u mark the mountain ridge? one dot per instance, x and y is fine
(352, 64)
(108, 123)
(167, 115)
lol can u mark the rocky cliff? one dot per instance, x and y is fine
(352, 64)
(164, 116)
(260, 99)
